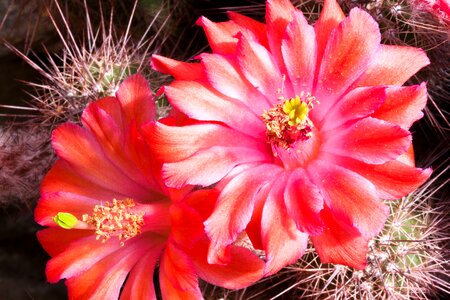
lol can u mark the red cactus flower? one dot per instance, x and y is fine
(305, 127)
(111, 219)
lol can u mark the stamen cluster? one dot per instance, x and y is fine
(115, 219)
(288, 122)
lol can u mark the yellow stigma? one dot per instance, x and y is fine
(288, 122)
(65, 220)
(115, 219)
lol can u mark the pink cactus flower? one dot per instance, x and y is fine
(112, 220)
(304, 128)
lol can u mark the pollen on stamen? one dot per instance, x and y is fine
(115, 219)
(288, 121)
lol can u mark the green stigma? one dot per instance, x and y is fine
(65, 220)
(296, 109)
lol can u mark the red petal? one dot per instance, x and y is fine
(357, 104)
(329, 19)
(177, 275)
(234, 208)
(393, 65)
(137, 101)
(340, 243)
(221, 36)
(299, 51)
(199, 102)
(303, 202)
(105, 278)
(223, 74)
(85, 155)
(186, 224)
(278, 14)
(403, 105)
(139, 284)
(253, 229)
(260, 69)
(257, 29)
(283, 242)
(352, 199)
(173, 144)
(179, 70)
(57, 240)
(369, 140)
(350, 49)
(393, 179)
(243, 269)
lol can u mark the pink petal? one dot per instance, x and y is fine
(329, 19)
(260, 69)
(137, 101)
(85, 155)
(221, 36)
(303, 202)
(223, 74)
(185, 233)
(352, 199)
(243, 269)
(299, 50)
(278, 14)
(349, 52)
(403, 105)
(257, 29)
(177, 275)
(369, 140)
(393, 65)
(234, 208)
(218, 161)
(393, 179)
(179, 70)
(207, 105)
(172, 144)
(283, 242)
(358, 103)
(105, 278)
(253, 229)
(340, 243)
(139, 284)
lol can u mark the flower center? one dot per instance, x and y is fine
(115, 219)
(288, 122)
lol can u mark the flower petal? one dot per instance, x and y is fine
(358, 103)
(303, 202)
(352, 199)
(283, 242)
(393, 179)
(223, 74)
(340, 243)
(207, 105)
(349, 51)
(243, 269)
(393, 65)
(172, 144)
(329, 19)
(260, 69)
(177, 275)
(299, 50)
(234, 209)
(139, 284)
(179, 70)
(56, 240)
(369, 140)
(85, 155)
(217, 160)
(221, 36)
(257, 29)
(403, 105)
(137, 101)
